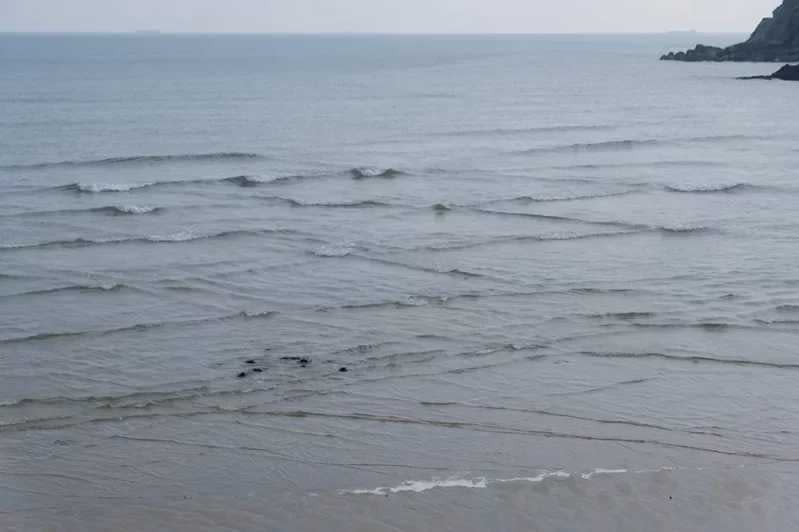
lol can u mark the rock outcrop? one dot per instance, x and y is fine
(776, 39)
(786, 73)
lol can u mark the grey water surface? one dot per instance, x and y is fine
(395, 283)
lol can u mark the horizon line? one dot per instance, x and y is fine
(156, 33)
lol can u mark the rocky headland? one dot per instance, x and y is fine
(776, 39)
(786, 73)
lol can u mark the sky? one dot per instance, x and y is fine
(383, 16)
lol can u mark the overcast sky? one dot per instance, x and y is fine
(401, 16)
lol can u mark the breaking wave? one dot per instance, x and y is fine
(367, 172)
(249, 181)
(709, 189)
(129, 209)
(96, 188)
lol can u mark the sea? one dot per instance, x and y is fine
(396, 283)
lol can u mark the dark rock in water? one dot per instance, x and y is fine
(249, 361)
(302, 361)
(242, 375)
(786, 73)
(776, 39)
(343, 370)
(700, 53)
(257, 370)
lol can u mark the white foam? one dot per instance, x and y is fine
(135, 209)
(338, 250)
(108, 187)
(419, 486)
(600, 471)
(370, 171)
(180, 236)
(538, 478)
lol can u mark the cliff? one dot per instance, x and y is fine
(776, 38)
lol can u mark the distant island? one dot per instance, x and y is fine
(776, 39)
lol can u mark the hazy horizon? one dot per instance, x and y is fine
(393, 17)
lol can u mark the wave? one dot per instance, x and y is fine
(651, 164)
(249, 181)
(710, 189)
(368, 172)
(560, 218)
(244, 181)
(684, 230)
(73, 288)
(523, 130)
(413, 301)
(555, 199)
(365, 204)
(692, 358)
(130, 209)
(591, 290)
(462, 273)
(111, 210)
(96, 188)
(710, 326)
(622, 315)
(349, 204)
(138, 327)
(139, 159)
(139, 399)
(633, 229)
(175, 238)
(441, 207)
(335, 250)
(608, 145)
(348, 251)
(787, 308)
(525, 238)
(629, 144)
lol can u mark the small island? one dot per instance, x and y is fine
(776, 39)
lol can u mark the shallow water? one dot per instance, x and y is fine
(560, 275)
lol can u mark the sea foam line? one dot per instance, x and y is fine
(420, 486)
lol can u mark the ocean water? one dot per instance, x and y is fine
(395, 283)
